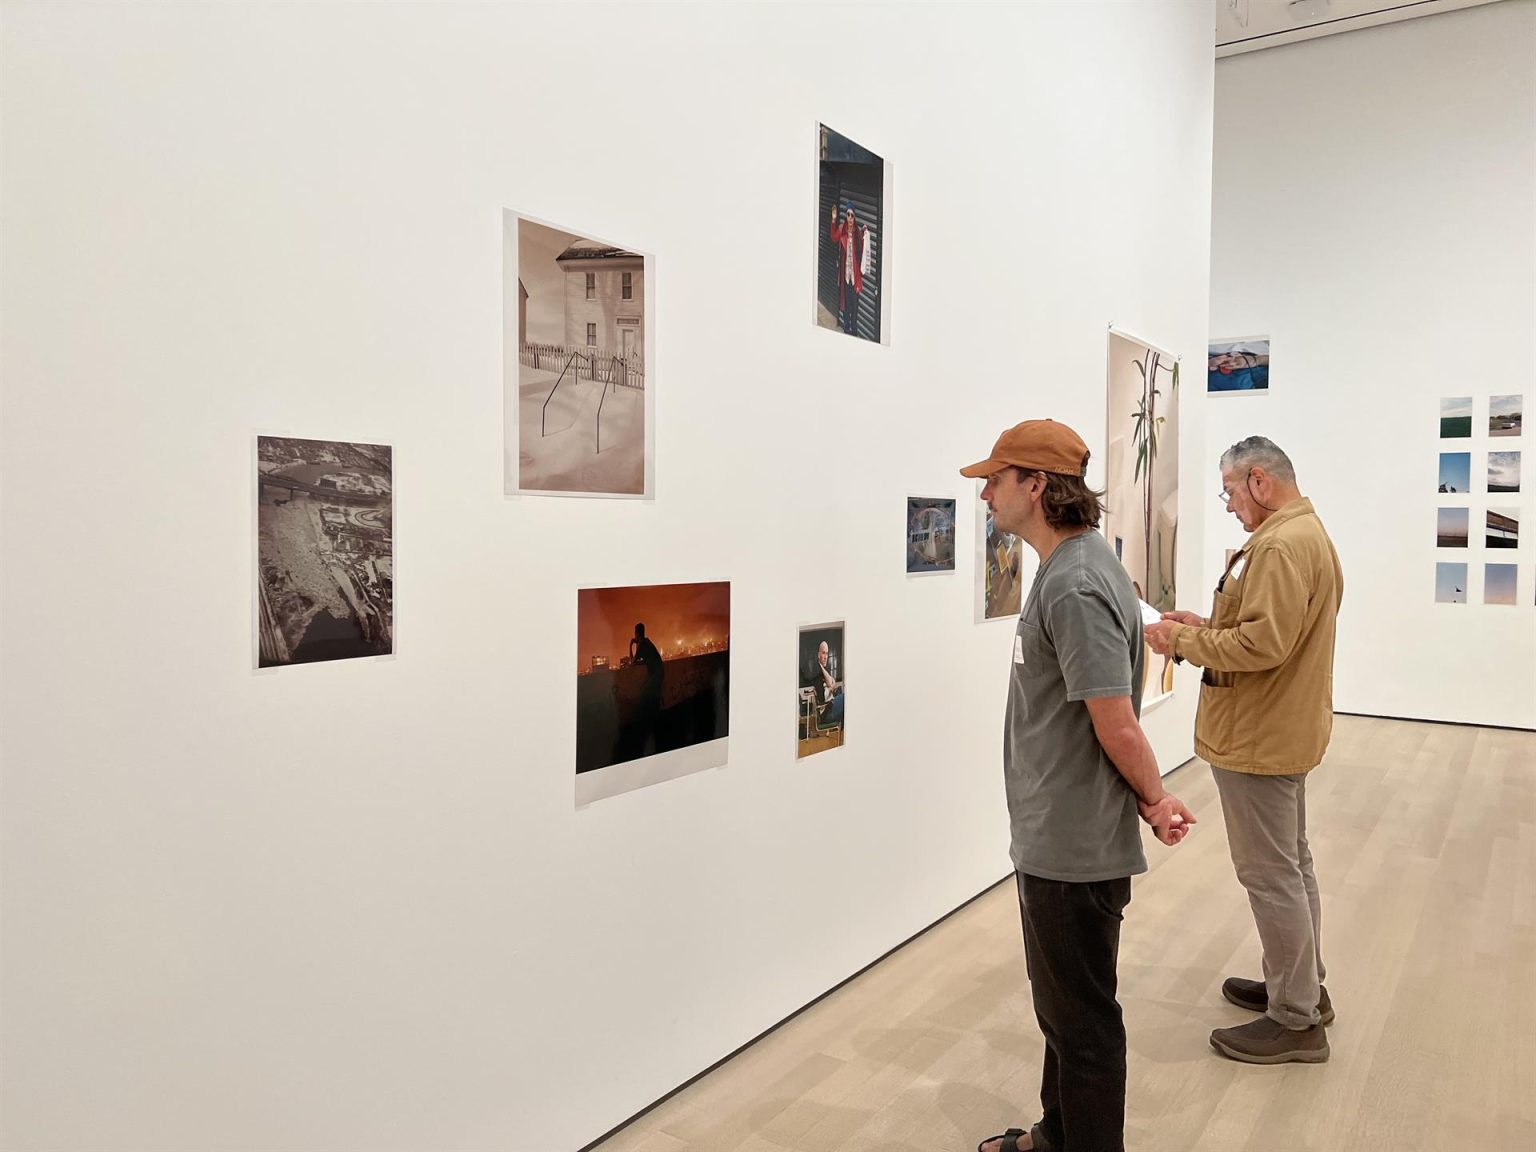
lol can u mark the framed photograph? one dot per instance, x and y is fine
(999, 568)
(1451, 528)
(1499, 583)
(324, 551)
(1455, 472)
(576, 342)
(1503, 529)
(852, 237)
(930, 535)
(1503, 472)
(1450, 583)
(820, 692)
(653, 684)
(1239, 366)
(1506, 415)
(1455, 417)
(1141, 469)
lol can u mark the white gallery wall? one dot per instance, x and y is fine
(1374, 208)
(353, 905)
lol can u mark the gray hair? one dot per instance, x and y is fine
(1259, 452)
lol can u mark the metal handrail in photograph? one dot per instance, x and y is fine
(609, 385)
(543, 411)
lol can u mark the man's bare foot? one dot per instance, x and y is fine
(1020, 1144)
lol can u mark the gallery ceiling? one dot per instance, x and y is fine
(1249, 25)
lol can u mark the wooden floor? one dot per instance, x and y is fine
(1425, 841)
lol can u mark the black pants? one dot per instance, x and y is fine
(1071, 944)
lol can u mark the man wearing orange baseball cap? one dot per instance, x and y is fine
(1077, 769)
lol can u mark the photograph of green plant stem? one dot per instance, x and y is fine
(1142, 477)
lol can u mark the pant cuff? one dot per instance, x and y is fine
(1292, 1020)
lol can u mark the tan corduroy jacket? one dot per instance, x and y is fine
(1266, 698)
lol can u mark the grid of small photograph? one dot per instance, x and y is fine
(1478, 458)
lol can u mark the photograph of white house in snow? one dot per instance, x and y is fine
(575, 337)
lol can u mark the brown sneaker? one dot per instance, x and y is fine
(1252, 995)
(1267, 1042)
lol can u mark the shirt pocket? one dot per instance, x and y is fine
(1032, 655)
(1226, 609)
(1218, 723)
(1224, 614)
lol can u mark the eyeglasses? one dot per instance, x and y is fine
(1226, 493)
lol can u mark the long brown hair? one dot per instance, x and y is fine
(1068, 502)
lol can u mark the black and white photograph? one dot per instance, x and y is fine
(575, 355)
(930, 535)
(820, 694)
(1506, 415)
(1503, 528)
(653, 684)
(851, 237)
(1451, 529)
(1503, 471)
(325, 550)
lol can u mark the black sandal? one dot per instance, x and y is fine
(1012, 1134)
(1037, 1140)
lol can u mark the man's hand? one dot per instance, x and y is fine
(1189, 618)
(1169, 818)
(1160, 636)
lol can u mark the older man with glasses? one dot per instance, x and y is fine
(1265, 716)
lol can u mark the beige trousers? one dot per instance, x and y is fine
(1266, 820)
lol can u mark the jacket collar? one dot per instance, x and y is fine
(1301, 506)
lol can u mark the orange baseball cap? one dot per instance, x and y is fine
(1038, 445)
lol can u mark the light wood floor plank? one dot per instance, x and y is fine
(1425, 840)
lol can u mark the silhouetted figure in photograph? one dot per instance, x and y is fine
(643, 651)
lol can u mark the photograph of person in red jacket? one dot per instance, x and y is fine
(850, 219)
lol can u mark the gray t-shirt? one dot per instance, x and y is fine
(1073, 816)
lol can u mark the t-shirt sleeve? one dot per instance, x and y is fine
(1091, 645)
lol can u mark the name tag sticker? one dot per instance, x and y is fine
(1238, 565)
(1018, 650)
